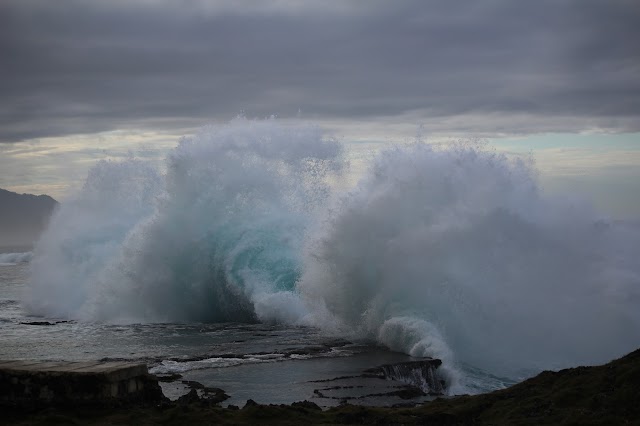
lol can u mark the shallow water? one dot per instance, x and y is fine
(451, 252)
(266, 363)
(24, 337)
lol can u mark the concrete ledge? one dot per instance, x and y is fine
(29, 383)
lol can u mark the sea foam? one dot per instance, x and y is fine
(452, 252)
(218, 237)
(456, 253)
(14, 258)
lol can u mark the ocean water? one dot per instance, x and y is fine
(244, 263)
(269, 363)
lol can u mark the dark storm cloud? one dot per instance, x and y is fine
(78, 67)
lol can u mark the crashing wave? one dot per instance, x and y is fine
(452, 252)
(15, 258)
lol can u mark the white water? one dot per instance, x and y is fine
(218, 238)
(15, 258)
(456, 253)
(453, 253)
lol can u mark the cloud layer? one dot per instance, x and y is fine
(514, 67)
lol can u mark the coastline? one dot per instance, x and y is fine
(605, 394)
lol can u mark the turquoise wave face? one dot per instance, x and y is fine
(216, 277)
(218, 237)
(452, 252)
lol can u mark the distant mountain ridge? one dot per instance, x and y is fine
(23, 217)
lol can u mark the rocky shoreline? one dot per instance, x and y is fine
(400, 384)
(606, 394)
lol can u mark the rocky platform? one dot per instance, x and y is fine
(601, 395)
(37, 383)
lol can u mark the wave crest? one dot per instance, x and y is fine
(15, 258)
(448, 252)
(457, 251)
(205, 242)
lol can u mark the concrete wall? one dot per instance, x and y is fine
(42, 383)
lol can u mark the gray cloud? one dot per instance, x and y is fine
(82, 67)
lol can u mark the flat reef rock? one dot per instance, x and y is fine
(405, 384)
(600, 395)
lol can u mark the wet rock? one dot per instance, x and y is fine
(205, 394)
(408, 392)
(334, 379)
(168, 377)
(43, 322)
(214, 395)
(422, 374)
(193, 384)
(307, 350)
(189, 398)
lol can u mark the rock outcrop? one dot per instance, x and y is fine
(422, 374)
(35, 384)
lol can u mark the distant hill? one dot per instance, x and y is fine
(23, 217)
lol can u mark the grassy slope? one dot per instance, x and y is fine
(607, 394)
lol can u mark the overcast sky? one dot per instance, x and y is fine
(75, 75)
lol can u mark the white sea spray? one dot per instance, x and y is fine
(451, 252)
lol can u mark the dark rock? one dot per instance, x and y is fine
(233, 407)
(189, 398)
(250, 403)
(408, 392)
(208, 395)
(355, 415)
(193, 384)
(214, 395)
(168, 377)
(44, 322)
(422, 374)
(307, 350)
(40, 384)
(306, 405)
(604, 395)
(206, 356)
(335, 379)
